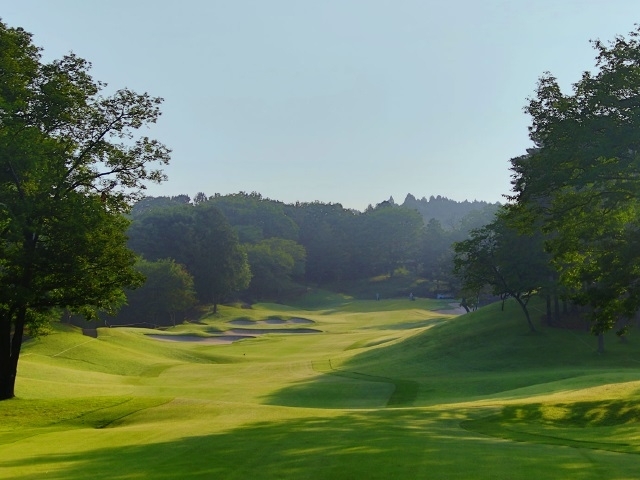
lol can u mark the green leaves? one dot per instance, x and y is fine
(168, 290)
(200, 238)
(71, 162)
(511, 263)
(582, 182)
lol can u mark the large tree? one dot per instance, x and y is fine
(200, 238)
(219, 262)
(389, 237)
(327, 233)
(581, 182)
(274, 263)
(167, 291)
(71, 163)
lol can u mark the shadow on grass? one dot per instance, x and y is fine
(572, 424)
(408, 325)
(398, 444)
(338, 388)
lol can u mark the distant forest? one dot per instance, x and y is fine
(209, 250)
(446, 211)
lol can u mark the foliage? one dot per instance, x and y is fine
(72, 163)
(497, 255)
(326, 232)
(449, 213)
(256, 218)
(342, 247)
(581, 182)
(388, 238)
(168, 290)
(146, 204)
(200, 238)
(218, 262)
(274, 263)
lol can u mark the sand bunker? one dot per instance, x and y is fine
(275, 321)
(262, 331)
(300, 320)
(230, 336)
(242, 322)
(271, 321)
(217, 340)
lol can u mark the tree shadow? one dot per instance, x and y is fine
(369, 444)
(576, 424)
(338, 388)
(408, 325)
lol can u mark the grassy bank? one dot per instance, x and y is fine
(385, 389)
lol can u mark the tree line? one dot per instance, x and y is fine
(570, 230)
(246, 247)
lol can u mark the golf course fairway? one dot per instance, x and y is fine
(329, 388)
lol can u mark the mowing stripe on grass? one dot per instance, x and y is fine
(71, 348)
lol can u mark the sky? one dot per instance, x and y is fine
(338, 101)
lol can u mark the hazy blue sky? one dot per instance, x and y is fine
(344, 101)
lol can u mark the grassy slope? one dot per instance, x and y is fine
(389, 389)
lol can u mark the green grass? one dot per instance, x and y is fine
(388, 389)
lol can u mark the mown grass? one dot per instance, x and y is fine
(388, 389)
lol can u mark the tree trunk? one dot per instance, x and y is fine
(523, 305)
(7, 383)
(9, 354)
(463, 304)
(549, 315)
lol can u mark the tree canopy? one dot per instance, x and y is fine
(580, 183)
(168, 290)
(200, 238)
(512, 264)
(72, 162)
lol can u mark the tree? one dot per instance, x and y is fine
(218, 261)
(435, 253)
(200, 197)
(327, 233)
(71, 163)
(389, 237)
(274, 262)
(163, 233)
(256, 218)
(167, 290)
(200, 238)
(147, 204)
(581, 181)
(497, 255)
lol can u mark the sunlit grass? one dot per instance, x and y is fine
(387, 389)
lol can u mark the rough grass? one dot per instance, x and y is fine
(388, 389)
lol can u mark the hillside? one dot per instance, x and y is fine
(328, 388)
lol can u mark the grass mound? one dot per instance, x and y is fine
(389, 389)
